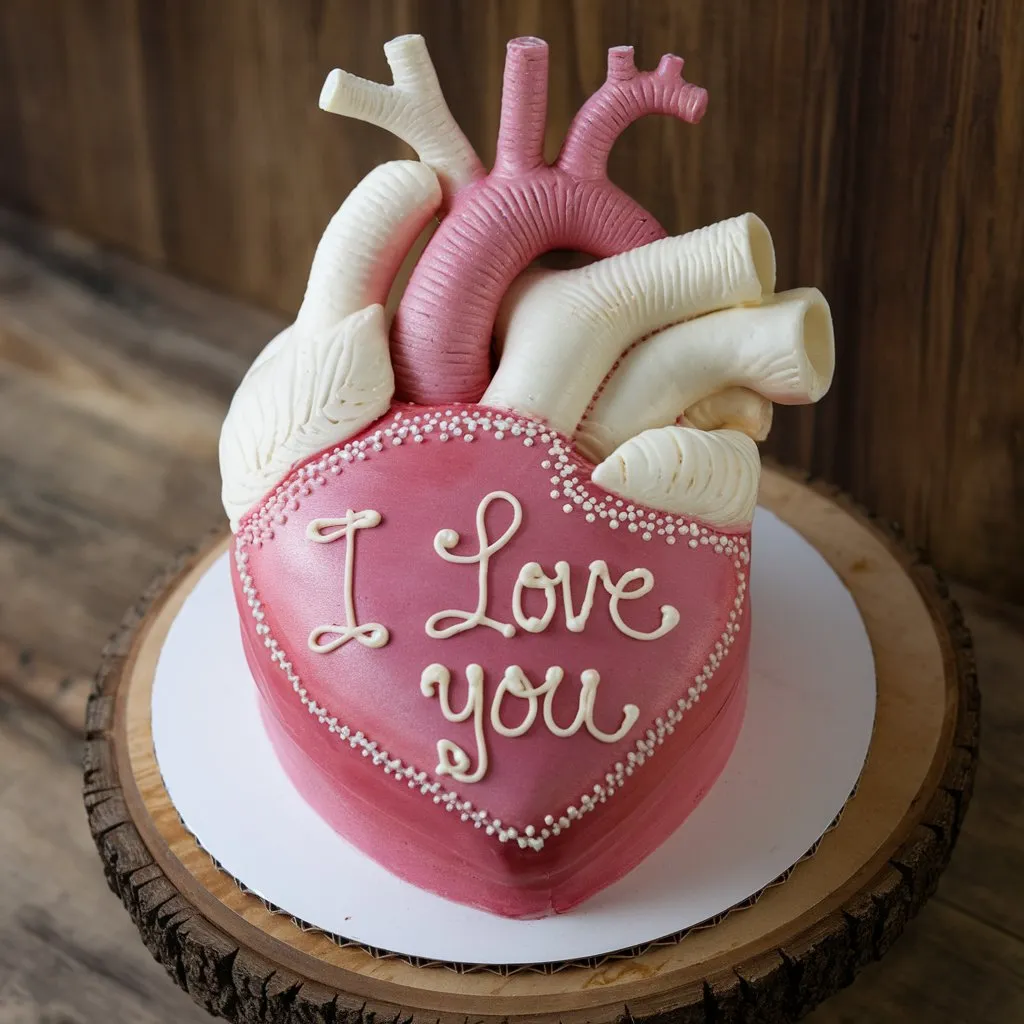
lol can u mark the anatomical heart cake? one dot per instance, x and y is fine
(492, 559)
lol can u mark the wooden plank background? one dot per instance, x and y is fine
(120, 376)
(881, 140)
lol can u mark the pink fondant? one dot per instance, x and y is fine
(506, 880)
(498, 225)
(626, 95)
(420, 488)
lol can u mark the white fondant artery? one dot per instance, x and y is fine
(413, 109)
(782, 348)
(732, 408)
(328, 375)
(711, 474)
(563, 331)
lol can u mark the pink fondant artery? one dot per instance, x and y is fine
(498, 225)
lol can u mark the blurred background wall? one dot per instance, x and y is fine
(882, 142)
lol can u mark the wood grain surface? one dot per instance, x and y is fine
(112, 382)
(881, 140)
(801, 942)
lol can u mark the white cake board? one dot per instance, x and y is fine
(799, 754)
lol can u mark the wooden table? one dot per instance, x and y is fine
(112, 384)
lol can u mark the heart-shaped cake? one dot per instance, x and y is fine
(499, 624)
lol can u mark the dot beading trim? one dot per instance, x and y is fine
(258, 528)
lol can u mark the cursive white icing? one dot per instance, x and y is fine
(328, 375)
(445, 540)
(515, 684)
(325, 531)
(533, 577)
(453, 760)
(735, 549)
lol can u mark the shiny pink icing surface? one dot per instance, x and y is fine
(554, 819)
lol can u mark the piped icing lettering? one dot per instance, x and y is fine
(451, 758)
(454, 761)
(533, 577)
(436, 680)
(326, 531)
(445, 540)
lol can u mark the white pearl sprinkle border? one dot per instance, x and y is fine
(568, 477)
(257, 528)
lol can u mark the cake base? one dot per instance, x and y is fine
(382, 838)
(837, 911)
(812, 701)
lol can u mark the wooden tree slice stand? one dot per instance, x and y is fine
(802, 940)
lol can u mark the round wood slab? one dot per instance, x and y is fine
(799, 943)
